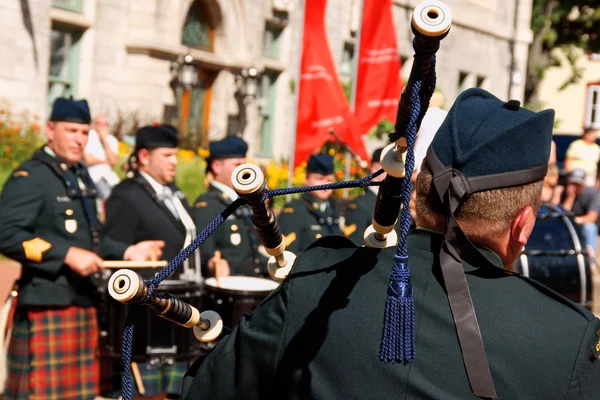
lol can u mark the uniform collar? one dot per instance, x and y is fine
(63, 165)
(314, 203)
(226, 190)
(158, 188)
(436, 238)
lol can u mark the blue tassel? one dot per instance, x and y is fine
(398, 338)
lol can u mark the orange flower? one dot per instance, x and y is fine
(340, 174)
(7, 149)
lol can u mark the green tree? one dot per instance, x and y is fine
(564, 25)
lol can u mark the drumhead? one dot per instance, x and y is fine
(243, 283)
(172, 284)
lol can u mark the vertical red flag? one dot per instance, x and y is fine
(321, 101)
(378, 84)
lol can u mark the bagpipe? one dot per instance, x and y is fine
(430, 23)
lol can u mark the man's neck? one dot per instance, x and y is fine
(158, 187)
(51, 152)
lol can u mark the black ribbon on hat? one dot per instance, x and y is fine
(452, 187)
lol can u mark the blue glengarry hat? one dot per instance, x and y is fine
(320, 164)
(483, 144)
(230, 147)
(69, 110)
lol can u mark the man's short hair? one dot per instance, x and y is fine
(496, 207)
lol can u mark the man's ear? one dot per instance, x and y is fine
(50, 131)
(522, 225)
(143, 157)
(216, 166)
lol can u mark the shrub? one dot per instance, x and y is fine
(20, 135)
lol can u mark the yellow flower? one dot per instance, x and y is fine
(204, 153)
(124, 149)
(186, 155)
(331, 152)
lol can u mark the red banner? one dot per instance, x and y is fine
(321, 101)
(378, 84)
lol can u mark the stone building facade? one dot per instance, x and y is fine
(128, 56)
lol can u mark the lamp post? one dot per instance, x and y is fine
(185, 79)
(187, 72)
(247, 82)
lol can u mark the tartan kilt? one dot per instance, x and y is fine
(53, 354)
(157, 378)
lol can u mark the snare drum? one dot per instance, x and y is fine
(235, 296)
(154, 338)
(554, 255)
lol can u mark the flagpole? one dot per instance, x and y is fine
(361, 5)
(300, 40)
(356, 56)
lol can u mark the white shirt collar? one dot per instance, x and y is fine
(226, 190)
(158, 188)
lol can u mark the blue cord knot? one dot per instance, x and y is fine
(151, 285)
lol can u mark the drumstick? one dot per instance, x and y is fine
(134, 264)
(217, 269)
(153, 257)
(138, 378)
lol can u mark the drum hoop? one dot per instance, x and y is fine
(210, 285)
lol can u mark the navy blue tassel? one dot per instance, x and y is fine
(398, 339)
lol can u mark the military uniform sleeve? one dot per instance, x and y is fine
(585, 377)
(244, 364)
(20, 207)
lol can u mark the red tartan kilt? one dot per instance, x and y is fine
(53, 354)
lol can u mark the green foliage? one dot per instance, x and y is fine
(20, 134)
(347, 86)
(566, 25)
(381, 130)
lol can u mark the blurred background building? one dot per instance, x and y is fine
(128, 58)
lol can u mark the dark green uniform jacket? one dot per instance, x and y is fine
(39, 221)
(302, 221)
(236, 238)
(318, 335)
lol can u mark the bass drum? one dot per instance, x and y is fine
(555, 256)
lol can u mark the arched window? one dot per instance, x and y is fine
(197, 29)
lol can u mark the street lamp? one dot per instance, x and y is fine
(248, 82)
(188, 72)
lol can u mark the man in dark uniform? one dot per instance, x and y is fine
(359, 215)
(236, 239)
(48, 222)
(147, 206)
(312, 215)
(318, 334)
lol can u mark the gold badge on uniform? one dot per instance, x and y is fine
(34, 248)
(289, 239)
(596, 347)
(201, 204)
(236, 239)
(71, 225)
(288, 210)
(349, 230)
(21, 173)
